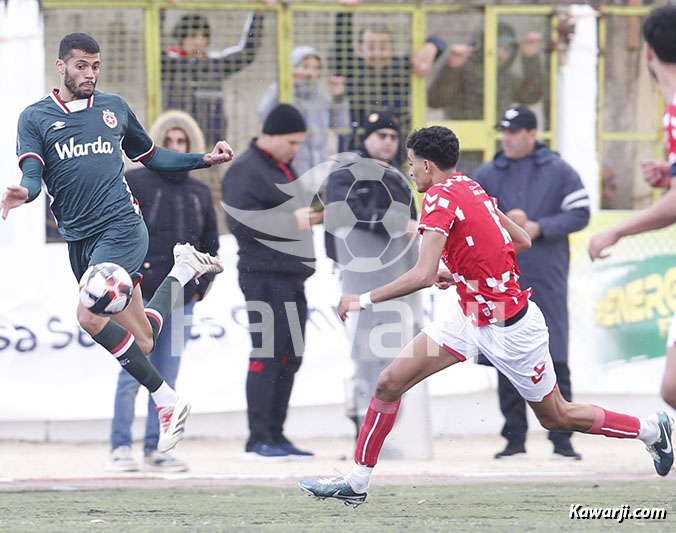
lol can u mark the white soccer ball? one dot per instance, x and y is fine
(368, 177)
(106, 289)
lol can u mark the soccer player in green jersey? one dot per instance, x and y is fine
(72, 141)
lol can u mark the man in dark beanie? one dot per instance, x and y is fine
(265, 202)
(369, 202)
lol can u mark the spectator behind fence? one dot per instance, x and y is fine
(544, 195)
(458, 86)
(370, 200)
(192, 76)
(176, 208)
(375, 79)
(321, 111)
(265, 201)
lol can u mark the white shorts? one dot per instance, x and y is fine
(519, 351)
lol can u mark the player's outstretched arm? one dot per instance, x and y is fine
(222, 153)
(167, 160)
(520, 237)
(659, 215)
(14, 196)
(422, 275)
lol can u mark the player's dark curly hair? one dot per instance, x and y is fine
(77, 41)
(659, 31)
(436, 144)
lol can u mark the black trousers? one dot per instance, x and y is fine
(274, 360)
(513, 408)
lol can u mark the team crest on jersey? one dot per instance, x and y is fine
(109, 118)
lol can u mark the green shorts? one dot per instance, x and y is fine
(124, 245)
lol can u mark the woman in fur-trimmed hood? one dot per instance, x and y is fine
(175, 119)
(176, 206)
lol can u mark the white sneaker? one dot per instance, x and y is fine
(172, 424)
(162, 462)
(120, 460)
(200, 262)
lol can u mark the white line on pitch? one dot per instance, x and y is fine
(243, 477)
(527, 474)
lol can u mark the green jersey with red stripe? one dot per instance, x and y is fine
(80, 145)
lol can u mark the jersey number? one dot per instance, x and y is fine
(491, 209)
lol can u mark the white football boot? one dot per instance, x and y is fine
(200, 262)
(172, 424)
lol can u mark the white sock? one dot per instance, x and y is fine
(649, 431)
(359, 477)
(183, 273)
(164, 396)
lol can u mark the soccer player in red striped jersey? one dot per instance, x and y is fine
(659, 33)
(462, 227)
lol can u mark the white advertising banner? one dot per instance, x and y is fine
(51, 370)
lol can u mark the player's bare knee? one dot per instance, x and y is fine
(90, 322)
(551, 420)
(388, 389)
(547, 422)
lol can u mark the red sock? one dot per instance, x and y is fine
(378, 423)
(614, 425)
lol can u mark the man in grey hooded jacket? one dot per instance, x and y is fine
(322, 111)
(544, 195)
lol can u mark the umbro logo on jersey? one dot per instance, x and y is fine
(59, 125)
(70, 149)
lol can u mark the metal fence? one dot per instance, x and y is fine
(221, 61)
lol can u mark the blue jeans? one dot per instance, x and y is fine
(167, 364)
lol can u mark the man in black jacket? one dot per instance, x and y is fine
(176, 208)
(269, 213)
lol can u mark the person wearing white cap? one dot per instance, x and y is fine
(321, 110)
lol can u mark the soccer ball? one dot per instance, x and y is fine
(106, 289)
(374, 244)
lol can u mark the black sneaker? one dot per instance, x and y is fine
(295, 452)
(512, 450)
(566, 453)
(266, 450)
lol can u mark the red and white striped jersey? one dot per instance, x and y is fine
(479, 252)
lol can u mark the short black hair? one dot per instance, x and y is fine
(374, 28)
(436, 144)
(77, 41)
(659, 31)
(190, 25)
